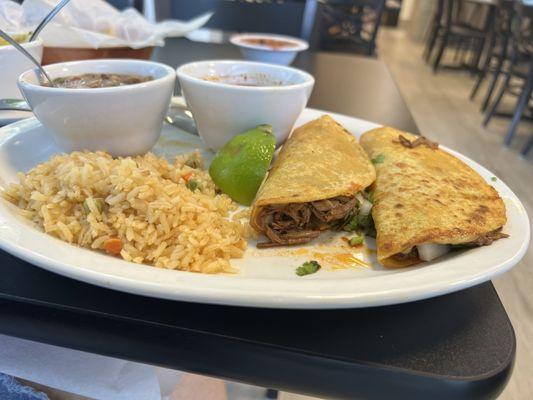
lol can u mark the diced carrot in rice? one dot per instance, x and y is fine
(113, 246)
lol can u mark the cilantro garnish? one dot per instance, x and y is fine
(307, 268)
(378, 159)
(356, 240)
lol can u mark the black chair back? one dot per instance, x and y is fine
(521, 33)
(502, 24)
(467, 14)
(239, 16)
(450, 12)
(354, 22)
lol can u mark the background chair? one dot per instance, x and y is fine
(349, 25)
(463, 25)
(498, 52)
(433, 30)
(519, 75)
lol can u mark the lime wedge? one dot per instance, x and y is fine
(240, 166)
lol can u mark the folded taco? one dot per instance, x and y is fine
(426, 201)
(314, 184)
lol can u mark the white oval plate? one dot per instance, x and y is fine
(267, 277)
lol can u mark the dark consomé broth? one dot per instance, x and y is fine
(93, 81)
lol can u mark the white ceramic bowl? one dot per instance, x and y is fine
(13, 63)
(266, 53)
(123, 120)
(223, 110)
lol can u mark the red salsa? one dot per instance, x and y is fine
(274, 44)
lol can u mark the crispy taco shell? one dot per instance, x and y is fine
(426, 195)
(320, 160)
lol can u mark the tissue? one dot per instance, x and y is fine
(92, 24)
(12, 18)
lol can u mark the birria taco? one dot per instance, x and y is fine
(314, 184)
(426, 201)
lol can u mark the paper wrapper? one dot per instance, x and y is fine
(84, 374)
(93, 24)
(12, 18)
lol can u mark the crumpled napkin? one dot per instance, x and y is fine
(93, 24)
(12, 18)
(85, 374)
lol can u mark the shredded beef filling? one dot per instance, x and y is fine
(417, 142)
(333, 209)
(412, 255)
(298, 223)
(487, 239)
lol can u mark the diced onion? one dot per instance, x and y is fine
(365, 208)
(430, 251)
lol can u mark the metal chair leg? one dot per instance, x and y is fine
(490, 113)
(481, 77)
(443, 44)
(492, 85)
(458, 51)
(478, 53)
(431, 42)
(528, 146)
(522, 102)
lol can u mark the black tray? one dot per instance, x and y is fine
(460, 345)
